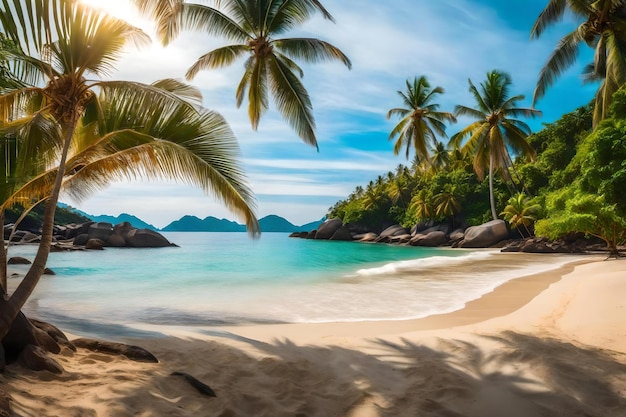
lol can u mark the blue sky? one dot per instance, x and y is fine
(389, 42)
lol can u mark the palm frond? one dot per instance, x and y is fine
(311, 50)
(217, 58)
(561, 59)
(292, 99)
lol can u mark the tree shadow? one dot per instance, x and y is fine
(509, 374)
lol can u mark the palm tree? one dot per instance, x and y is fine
(87, 133)
(440, 158)
(256, 27)
(447, 203)
(495, 131)
(520, 212)
(603, 28)
(420, 120)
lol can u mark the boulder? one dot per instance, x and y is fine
(95, 244)
(100, 230)
(456, 235)
(115, 241)
(28, 237)
(18, 260)
(367, 237)
(312, 234)
(327, 229)
(343, 234)
(400, 239)
(81, 239)
(431, 239)
(123, 229)
(37, 359)
(48, 271)
(485, 235)
(145, 238)
(394, 230)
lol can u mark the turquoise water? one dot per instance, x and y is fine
(227, 278)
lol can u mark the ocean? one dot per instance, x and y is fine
(214, 279)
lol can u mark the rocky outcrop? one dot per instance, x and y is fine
(395, 230)
(101, 235)
(432, 239)
(343, 234)
(328, 228)
(485, 235)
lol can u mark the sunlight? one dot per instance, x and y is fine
(122, 9)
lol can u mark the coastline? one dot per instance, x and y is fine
(552, 343)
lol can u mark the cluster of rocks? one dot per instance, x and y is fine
(488, 235)
(428, 234)
(94, 235)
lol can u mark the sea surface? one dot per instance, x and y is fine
(214, 279)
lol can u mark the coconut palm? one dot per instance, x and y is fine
(256, 28)
(78, 131)
(420, 120)
(440, 158)
(494, 132)
(520, 212)
(603, 28)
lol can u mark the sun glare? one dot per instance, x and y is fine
(119, 8)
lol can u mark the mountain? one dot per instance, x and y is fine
(124, 217)
(208, 224)
(269, 224)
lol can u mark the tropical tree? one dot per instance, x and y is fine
(447, 203)
(86, 133)
(440, 158)
(495, 131)
(603, 28)
(521, 211)
(256, 27)
(420, 120)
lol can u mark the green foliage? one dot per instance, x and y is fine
(572, 210)
(521, 212)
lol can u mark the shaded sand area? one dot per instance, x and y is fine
(552, 344)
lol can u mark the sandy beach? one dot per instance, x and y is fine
(552, 344)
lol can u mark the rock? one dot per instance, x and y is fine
(327, 229)
(22, 333)
(81, 239)
(28, 237)
(431, 239)
(134, 353)
(367, 237)
(200, 386)
(400, 239)
(57, 335)
(456, 235)
(116, 241)
(145, 238)
(312, 234)
(394, 230)
(100, 230)
(35, 358)
(343, 234)
(18, 260)
(95, 244)
(485, 235)
(48, 271)
(123, 229)
(443, 227)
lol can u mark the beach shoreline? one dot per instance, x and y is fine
(552, 343)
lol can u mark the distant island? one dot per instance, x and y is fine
(269, 224)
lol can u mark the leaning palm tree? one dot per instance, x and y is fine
(603, 28)
(256, 28)
(494, 132)
(70, 128)
(420, 120)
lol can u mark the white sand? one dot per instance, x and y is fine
(537, 346)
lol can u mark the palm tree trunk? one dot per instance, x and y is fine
(3, 259)
(10, 308)
(492, 199)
